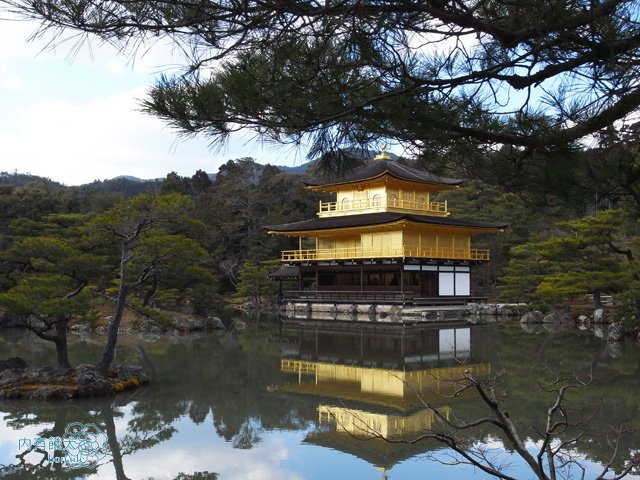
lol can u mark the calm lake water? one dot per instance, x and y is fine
(289, 402)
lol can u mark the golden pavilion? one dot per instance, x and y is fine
(383, 239)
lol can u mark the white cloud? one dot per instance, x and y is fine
(13, 38)
(108, 136)
(207, 452)
(105, 137)
(10, 81)
(10, 439)
(72, 114)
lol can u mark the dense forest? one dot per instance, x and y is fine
(201, 237)
(189, 240)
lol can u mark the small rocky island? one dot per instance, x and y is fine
(19, 380)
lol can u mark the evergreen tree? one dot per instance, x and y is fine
(148, 243)
(253, 281)
(245, 197)
(586, 257)
(174, 183)
(50, 273)
(201, 182)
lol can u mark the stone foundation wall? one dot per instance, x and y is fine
(473, 312)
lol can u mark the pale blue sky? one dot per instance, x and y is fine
(73, 117)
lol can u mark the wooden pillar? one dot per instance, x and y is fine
(361, 278)
(455, 340)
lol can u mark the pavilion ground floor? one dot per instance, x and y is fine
(419, 282)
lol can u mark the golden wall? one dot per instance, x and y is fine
(347, 197)
(397, 240)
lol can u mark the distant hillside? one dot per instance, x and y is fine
(337, 163)
(302, 168)
(21, 179)
(368, 155)
(125, 184)
(129, 185)
(131, 178)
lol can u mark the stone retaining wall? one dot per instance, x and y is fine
(473, 312)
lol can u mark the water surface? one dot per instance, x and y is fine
(301, 402)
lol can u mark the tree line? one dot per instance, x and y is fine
(198, 239)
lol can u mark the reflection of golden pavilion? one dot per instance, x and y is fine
(390, 347)
(365, 424)
(371, 431)
(375, 385)
(396, 389)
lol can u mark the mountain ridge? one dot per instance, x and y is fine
(130, 185)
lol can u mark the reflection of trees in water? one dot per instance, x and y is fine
(248, 435)
(221, 376)
(140, 435)
(225, 377)
(35, 463)
(197, 476)
(62, 414)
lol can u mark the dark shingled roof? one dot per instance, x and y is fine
(285, 272)
(369, 219)
(377, 168)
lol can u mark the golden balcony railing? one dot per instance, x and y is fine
(384, 252)
(298, 366)
(382, 204)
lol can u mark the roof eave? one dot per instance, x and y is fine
(478, 229)
(323, 186)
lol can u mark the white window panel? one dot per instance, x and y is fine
(445, 283)
(463, 284)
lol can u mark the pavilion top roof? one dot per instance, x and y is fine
(382, 166)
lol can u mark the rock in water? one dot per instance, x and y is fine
(53, 383)
(615, 349)
(534, 316)
(615, 332)
(534, 328)
(215, 323)
(13, 363)
(598, 315)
